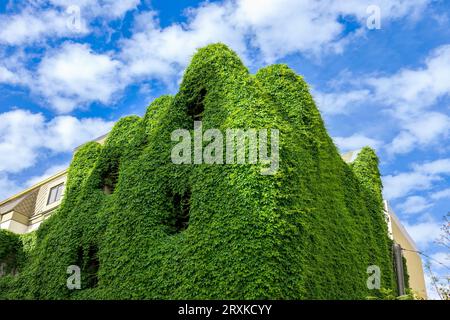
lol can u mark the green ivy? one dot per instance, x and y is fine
(308, 232)
(405, 273)
(11, 254)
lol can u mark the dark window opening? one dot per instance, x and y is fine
(196, 109)
(89, 264)
(181, 207)
(92, 267)
(8, 266)
(109, 180)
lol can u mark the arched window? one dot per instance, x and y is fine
(196, 109)
(178, 220)
(89, 264)
(110, 178)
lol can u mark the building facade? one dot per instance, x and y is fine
(25, 211)
(400, 236)
(410, 252)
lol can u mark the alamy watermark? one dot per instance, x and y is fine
(374, 279)
(74, 279)
(243, 146)
(374, 19)
(73, 21)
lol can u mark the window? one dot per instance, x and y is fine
(110, 179)
(55, 193)
(196, 109)
(91, 267)
(88, 261)
(182, 205)
(178, 220)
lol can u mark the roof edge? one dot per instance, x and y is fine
(33, 187)
(400, 225)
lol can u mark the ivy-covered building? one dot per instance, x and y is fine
(139, 226)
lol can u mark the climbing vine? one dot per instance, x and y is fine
(141, 227)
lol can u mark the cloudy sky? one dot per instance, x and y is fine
(69, 69)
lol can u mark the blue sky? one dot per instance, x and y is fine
(69, 69)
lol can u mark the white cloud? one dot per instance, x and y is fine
(440, 264)
(74, 75)
(20, 133)
(397, 186)
(429, 126)
(431, 290)
(7, 76)
(355, 142)
(440, 166)
(7, 187)
(34, 25)
(443, 194)
(404, 142)
(13, 67)
(110, 9)
(282, 27)
(274, 28)
(339, 102)
(158, 52)
(279, 28)
(423, 233)
(48, 173)
(414, 204)
(64, 133)
(440, 260)
(40, 20)
(412, 89)
(24, 134)
(424, 130)
(408, 95)
(421, 177)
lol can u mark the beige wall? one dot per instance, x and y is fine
(413, 259)
(42, 209)
(22, 215)
(397, 232)
(13, 226)
(44, 192)
(28, 214)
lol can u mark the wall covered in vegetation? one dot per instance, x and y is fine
(307, 232)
